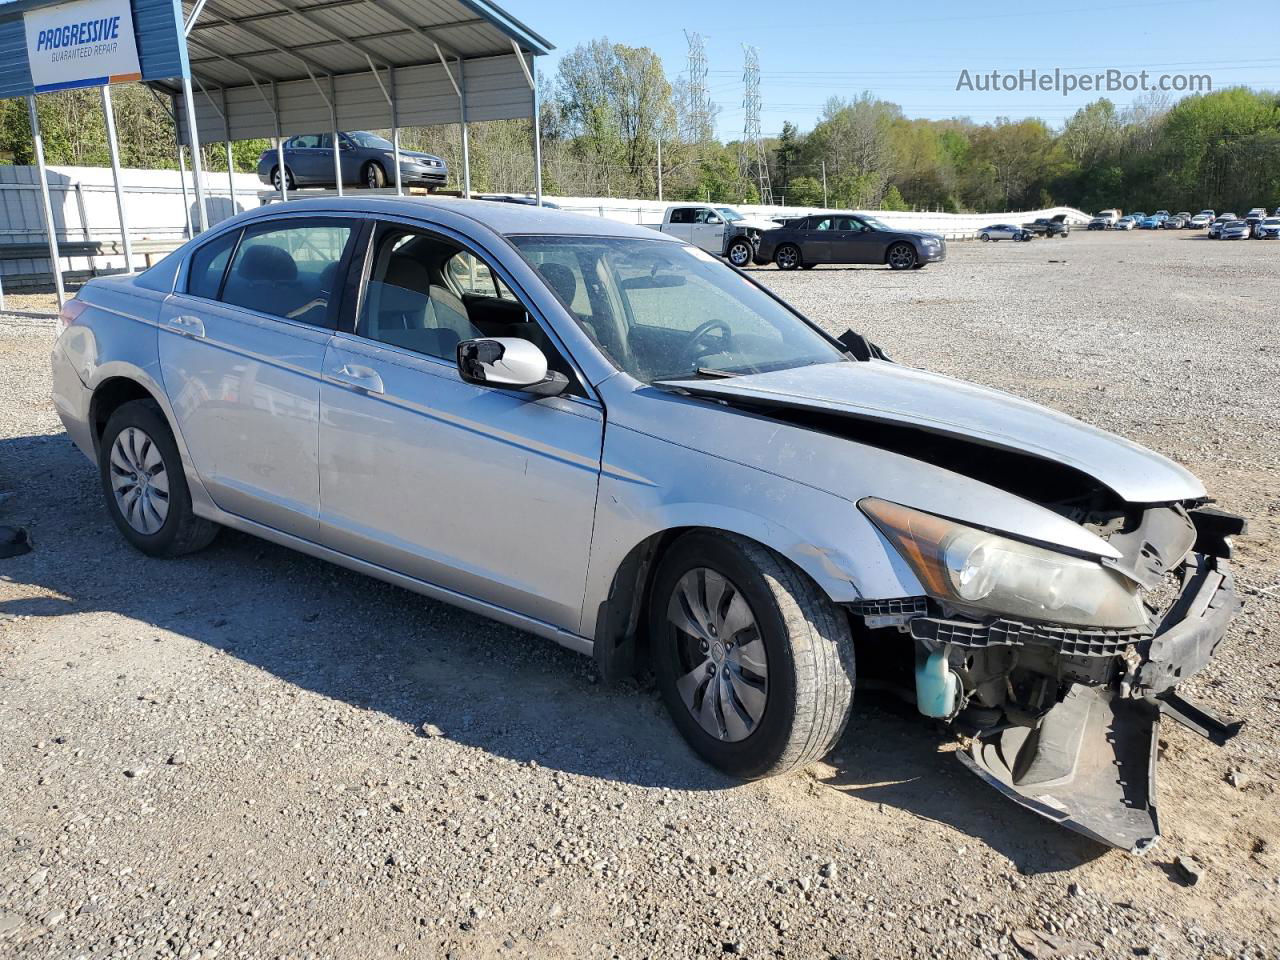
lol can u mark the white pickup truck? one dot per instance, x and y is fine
(722, 231)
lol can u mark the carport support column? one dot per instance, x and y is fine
(333, 121)
(462, 122)
(193, 138)
(537, 134)
(113, 148)
(284, 177)
(38, 145)
(395, 128)
(231, 164)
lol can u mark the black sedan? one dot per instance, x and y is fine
(847, 238)
(367, 160)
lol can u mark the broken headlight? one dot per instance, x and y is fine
(987, 573)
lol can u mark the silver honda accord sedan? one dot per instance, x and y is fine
(604, 436)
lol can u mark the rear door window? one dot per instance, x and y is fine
(291, 270)
(209, 265)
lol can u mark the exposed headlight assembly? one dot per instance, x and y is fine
(929, 241)
(989, 574)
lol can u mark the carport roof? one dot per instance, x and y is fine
(282, 40)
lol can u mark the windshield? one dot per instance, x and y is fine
(665, 311)
(873, 223)
(730, 214)
(362, 138)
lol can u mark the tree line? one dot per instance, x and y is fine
(615, 125)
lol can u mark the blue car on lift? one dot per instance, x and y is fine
(366, 158)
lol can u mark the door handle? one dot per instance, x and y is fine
(186, 325)
(356, 376)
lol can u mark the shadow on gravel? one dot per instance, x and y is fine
(379, 648)
(891, 755)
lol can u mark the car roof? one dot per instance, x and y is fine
(505, 218)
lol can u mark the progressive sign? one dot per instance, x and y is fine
(87, 43)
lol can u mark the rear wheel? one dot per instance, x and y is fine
(374, 176)
(901, 256)
(144, 485)
(288, 178)
(754, 662)
(787, 256)
(740, 252)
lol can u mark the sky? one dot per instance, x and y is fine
(912, 54)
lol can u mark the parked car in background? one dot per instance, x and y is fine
(1163, 214)
(1268, 229)
(1152, 222)
(1009, 231)
(1200, 221)
(1172, 223)
(365, 158)
(847, 238)
(1112, 215)
(600, 435)
(1055, 226)
(1236, 230)
(1125, 223)
(1215, 228)
(1101, 222)
(1207, 213)
(1184, 216)
(1138, 216)
(1276, 212)
(711, 229)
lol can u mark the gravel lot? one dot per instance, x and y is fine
(226, 755)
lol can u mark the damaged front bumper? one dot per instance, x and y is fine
(1065, 721)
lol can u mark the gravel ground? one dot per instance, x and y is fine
(247, 753)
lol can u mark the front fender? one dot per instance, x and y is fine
(649, 486)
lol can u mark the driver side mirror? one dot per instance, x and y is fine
(511, 363)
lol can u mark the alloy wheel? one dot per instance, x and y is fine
(139, 481)
(723, 666)
(787, 257)
(739, 254)
(901, 256)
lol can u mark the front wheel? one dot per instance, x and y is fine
(144, 484)
(754, 662)
(740, 253)
(787, 256)
(902, 256)
(986, 238)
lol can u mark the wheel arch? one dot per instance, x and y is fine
(619, 647)
(111, 394)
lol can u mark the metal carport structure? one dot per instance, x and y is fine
(241, 69)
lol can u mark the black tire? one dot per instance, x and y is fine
(374, 176)
(807, 266)
(808, 648)
(181, 531)
(289, 182)
(740, 253)
(986, 238)
(901, 256)
(787, 256)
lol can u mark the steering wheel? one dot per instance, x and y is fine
(689, 352)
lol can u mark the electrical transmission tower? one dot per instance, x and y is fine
(751, 158)
(699, 119)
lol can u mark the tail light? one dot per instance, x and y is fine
(69, 313)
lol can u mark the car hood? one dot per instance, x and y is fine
(414, 155)
(889, 393)
(915, 234)
(756, 223)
